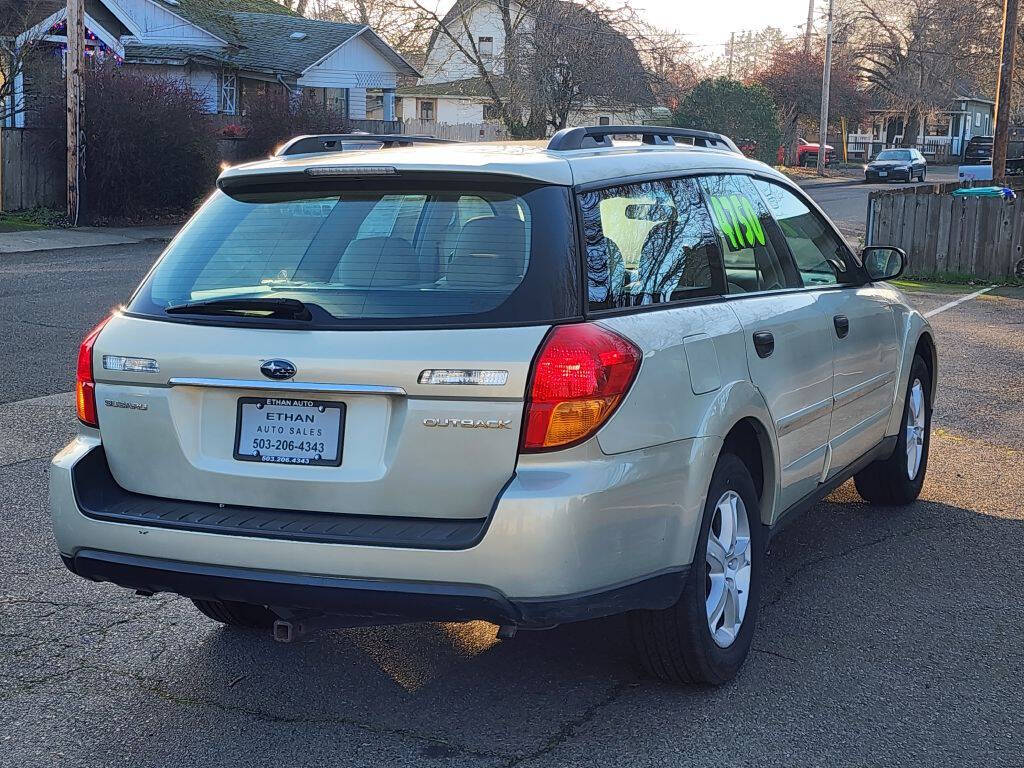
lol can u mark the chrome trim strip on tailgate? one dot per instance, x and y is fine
(288, 386)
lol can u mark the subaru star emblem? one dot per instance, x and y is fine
(278, 369)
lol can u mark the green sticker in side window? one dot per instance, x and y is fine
(738, 221)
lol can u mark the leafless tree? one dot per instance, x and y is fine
(912, 54)
(582, 54)
(399, 22)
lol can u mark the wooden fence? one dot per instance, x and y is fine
(31, 175)
(456, 131)
(979, 236)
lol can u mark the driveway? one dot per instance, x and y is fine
(888, 637)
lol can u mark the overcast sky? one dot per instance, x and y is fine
(709, 23)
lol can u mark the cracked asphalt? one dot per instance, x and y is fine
(888, 637)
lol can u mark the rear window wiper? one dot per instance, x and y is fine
(284, 309)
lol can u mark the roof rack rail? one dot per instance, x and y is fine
(332, 142)
(594, 136)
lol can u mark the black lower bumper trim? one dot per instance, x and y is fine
(388, 601)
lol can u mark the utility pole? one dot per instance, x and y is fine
(1004, 89)
(826, 76)
(75, 58)
(809, 27)
(732, 45)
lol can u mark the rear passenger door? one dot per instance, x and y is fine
(861, 325)
(788, 343)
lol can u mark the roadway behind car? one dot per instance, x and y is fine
(845, 200)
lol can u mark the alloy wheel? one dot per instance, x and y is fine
(727, 585)
(915, 429)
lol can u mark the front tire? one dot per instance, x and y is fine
(897, 480)
(241, 615)
(705, 637)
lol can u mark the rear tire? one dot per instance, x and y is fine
(897, 480)
(242, 615)
(676, 644)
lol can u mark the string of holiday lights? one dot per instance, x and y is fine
(94, 48)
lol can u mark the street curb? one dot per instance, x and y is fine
(4, 253)
(830, 184)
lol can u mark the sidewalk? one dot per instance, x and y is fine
(81, 237)
(835, 181)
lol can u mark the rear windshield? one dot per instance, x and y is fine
(402, 255)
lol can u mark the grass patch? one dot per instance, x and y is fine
(935, 284)
(33, 218)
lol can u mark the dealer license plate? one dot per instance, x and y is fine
(278, 430)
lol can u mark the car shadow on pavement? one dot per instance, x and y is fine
(851, 571)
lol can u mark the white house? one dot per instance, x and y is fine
(941, 134)
(452, 89)
(226, 47)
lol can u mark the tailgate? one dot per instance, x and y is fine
(405, 448)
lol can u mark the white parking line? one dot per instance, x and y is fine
(961, 300)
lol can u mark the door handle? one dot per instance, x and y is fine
(842, 323)
(764, 343)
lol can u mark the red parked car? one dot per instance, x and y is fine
(807, 153)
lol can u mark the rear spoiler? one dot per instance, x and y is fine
(333, 142)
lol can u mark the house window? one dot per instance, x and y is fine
(336, 100)
(374, 105)
(228, 93)
(485, 45)
(427, 109)
(938, 125)
(604, 120)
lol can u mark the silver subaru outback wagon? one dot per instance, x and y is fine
(521, 384)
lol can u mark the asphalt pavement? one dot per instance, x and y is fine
(845, 200)
(888, 637)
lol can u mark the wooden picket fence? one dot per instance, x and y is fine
(943, 234)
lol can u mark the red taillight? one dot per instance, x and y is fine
(578, 379)
(85, 385)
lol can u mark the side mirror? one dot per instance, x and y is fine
(884, 262)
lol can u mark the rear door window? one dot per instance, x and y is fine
(754, 260)
(648, 243)
(406, 255)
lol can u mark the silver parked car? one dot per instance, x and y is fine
(521, 384)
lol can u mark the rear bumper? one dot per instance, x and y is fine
(386, 601)
(589, 536)
(890, 176)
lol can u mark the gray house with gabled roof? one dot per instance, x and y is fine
(226, 48)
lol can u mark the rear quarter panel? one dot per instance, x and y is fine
(672, 398)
